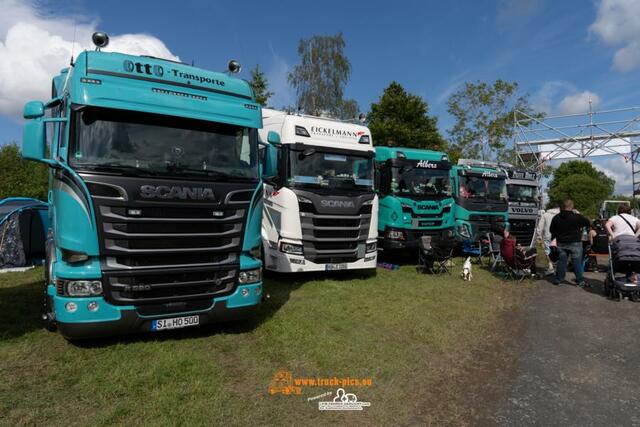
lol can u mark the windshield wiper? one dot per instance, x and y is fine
(116, 167)
(205, 172)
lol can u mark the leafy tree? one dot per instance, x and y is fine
(260, 86)
(581, 182)
(20, 177)
(320, 77)
(484, 116)
(401, 119)
(348, 109)
(580, 167)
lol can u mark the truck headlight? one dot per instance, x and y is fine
(371, 247)
(80, 288)
(250, 276)
(291, 248)
(395, 235)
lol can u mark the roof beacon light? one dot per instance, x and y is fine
(234, 66)
(100, 39)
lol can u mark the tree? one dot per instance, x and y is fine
(20, 177)
(320, 77)
(401, 119)
(580, 167)
(581, 182)
(484, 116)
(260, 86)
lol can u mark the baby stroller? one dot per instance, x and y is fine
(624, 261)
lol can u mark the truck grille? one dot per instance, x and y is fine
(522, 230)
(482, 224)
(156, 254)
(329, 239)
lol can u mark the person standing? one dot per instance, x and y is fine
(544, 235)
(566, 228)
(623, 224)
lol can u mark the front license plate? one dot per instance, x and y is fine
(174, 323)
(334, 267)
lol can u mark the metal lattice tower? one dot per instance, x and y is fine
(578, 136)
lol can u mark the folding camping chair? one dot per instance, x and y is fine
(517, 268)
(434, 254)
(493, 250)
(475, 252)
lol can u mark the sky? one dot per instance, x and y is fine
(562, 53)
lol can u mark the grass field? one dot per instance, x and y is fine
(413, 335)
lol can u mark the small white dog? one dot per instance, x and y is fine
(466, 270)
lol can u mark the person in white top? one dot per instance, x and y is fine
(544, 235)
(623, 224)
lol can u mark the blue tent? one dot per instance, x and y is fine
(23, 231)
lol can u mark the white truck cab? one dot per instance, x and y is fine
(320, 209)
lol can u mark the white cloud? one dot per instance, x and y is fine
(34, 47)
(618, 24)
(578, 102)
(544, 99)
(618, 169)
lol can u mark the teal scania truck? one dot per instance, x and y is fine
(155, 194)
(480, 198)
(415, 196)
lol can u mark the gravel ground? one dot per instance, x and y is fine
(574, 362)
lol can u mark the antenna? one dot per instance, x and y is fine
(73, 44)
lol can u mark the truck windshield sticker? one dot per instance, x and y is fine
(335, 158)
(306, 179)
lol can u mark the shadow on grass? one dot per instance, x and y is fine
(277, 286)
(20, 309)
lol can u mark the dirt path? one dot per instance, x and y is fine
(576, 361)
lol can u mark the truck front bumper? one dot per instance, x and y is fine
(288, 263)
(411, 238)
(109, 319)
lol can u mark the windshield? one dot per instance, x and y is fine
(476, 187)
(415, 182)
(149, 143)
(320, 169)
(522, 193)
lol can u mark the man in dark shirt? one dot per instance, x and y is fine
(566, 228)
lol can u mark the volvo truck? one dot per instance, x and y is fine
(524, 203)
(155, 195)
(415, 196)
(320, 209)
(480, 198)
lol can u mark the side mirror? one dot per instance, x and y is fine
(33, 110)
(270, 172)
(273, 137)
(33, 140)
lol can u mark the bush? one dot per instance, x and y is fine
(20, 177)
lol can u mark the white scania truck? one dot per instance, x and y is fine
(320, 210)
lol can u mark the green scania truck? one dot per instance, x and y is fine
(415, 196)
